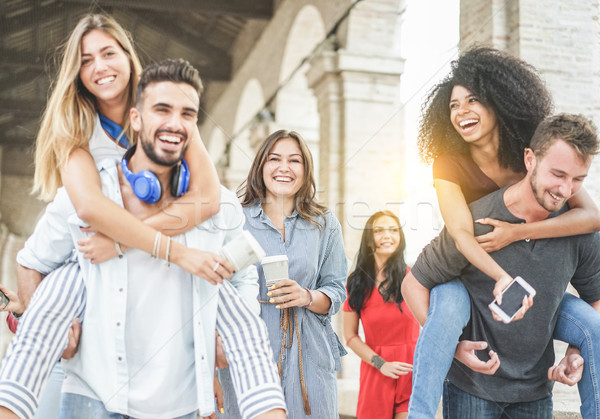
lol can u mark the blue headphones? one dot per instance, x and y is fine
(146, 185)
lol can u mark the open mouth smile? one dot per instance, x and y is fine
(468, 125)
(105, 80)
(557, 198)
(169, 138)
(283, 179)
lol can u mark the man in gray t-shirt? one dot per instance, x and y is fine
(557, 163)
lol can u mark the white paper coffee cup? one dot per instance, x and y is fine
(275, 268)
(243, 251)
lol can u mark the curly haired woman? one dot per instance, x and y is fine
(475, 127)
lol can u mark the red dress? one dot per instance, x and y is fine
(393, 335)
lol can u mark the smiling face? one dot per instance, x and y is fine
(105, 69)
(166, 120)
(474, 122)
(283, 172)
(556, 176)
(386, 236)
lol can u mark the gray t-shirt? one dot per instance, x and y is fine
(525, 346)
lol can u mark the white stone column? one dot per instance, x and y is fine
(361, 148)
(356, 80)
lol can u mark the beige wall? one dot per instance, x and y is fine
(561, 38)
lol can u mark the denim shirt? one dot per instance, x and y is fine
(317, 261)
(100, 361)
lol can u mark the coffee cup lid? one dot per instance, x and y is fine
(276, 258)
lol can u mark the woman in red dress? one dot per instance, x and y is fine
(390, 329)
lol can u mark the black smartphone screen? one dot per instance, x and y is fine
(512, 298)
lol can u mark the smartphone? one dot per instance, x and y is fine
(512, 299)
(3, 300)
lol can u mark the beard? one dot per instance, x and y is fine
(539, 194)
(167, 159)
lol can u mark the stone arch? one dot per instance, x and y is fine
(241, 150)
(296, 105)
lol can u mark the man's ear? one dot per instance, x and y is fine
(530, 160)
(136, 119)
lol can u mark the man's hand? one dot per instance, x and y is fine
(569, 370)
(14, 304)
(73, 345)
(395, 369)
(465, 353)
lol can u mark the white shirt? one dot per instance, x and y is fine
(159, 339)
(102, 147)
(102, 361)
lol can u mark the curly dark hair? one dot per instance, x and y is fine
(361, 281)
(508, 86)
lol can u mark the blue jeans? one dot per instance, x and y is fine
(579, 325)
(50, 397)
(459, 404)
(449, 310)
(75, 406)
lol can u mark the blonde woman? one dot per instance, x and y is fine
(87, 121)
(87, 110)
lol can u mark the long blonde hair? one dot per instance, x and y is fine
(69, 117)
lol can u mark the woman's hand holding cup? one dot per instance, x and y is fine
(287, 293)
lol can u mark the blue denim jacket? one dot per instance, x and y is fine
(316, 261)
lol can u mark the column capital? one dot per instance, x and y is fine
(328, 62)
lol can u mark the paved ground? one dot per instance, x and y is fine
(566, 399)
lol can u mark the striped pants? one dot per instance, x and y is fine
(43, 330)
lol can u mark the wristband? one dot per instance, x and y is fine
(311, 299)
(377, 361)
(16, 316)
(119, 251)
(350, 338)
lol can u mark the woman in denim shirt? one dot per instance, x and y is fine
(281, 212)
